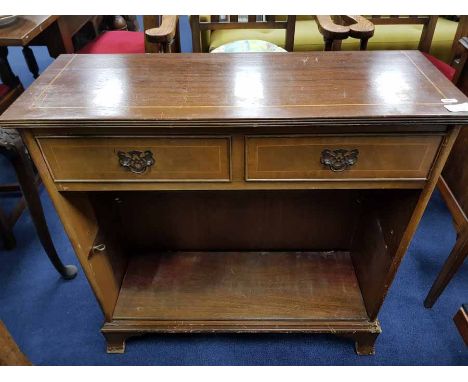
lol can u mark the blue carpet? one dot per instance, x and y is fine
(57, 322)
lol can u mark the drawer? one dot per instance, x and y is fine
(137, 159)
(303, 158)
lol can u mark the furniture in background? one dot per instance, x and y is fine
(251, 208)
(453, 184)
(162, 32)
(428, 24)
(246, 46)
(10, 85)
(461, 322)
(119, 22)
(12, 146)
(307, 37)
(161, 35)
(332, 28)
(337, 28)
(10, 354)
(54, 32)
(457, 49)
(204, 27)
(57, 33)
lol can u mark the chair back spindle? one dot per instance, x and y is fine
(200, 26)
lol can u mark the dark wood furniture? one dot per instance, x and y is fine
(334, 29)
(461, 322)
(200, 26)
(10, 354)
(429, 23)
(338, 28)
(55, 32)
(453, 185)
(10, 84)
(280, 200)
(457, 49)
(12, 146)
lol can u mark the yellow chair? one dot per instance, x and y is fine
(307, 37)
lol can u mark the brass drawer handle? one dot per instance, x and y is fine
(136, 161)
(339, 160)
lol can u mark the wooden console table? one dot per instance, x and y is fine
(263, 192)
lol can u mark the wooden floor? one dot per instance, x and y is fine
(240, 286)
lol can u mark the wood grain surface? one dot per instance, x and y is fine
(303, 255)
(85, 159)
(340, 86)
(195, 286)
(24, 29)
(379, 157)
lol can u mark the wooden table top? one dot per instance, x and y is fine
(23, 30)
(387, 87)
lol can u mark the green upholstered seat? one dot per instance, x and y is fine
(386, 37)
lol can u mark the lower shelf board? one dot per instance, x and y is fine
(240, 286)
(241, 292)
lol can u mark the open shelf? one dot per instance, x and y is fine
(217, 286)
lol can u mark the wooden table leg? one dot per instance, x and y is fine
(10, 354)
(365, 343)
(6, 74)
(6, 232)
(461, 321)
(16, 151)
(115, 342)
(31, 61)
(451, 265)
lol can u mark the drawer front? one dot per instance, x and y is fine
(137, 159)
(305, 158)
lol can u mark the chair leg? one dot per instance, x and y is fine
(31, 61)
(26, 178)
(328, 44)
(451, 265)
(6, 232)
(363, 44)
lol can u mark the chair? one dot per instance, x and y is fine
(335, 29)
(428, 22)
(204, 26)
(307, 36)
(453, 184)
(161, 35)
